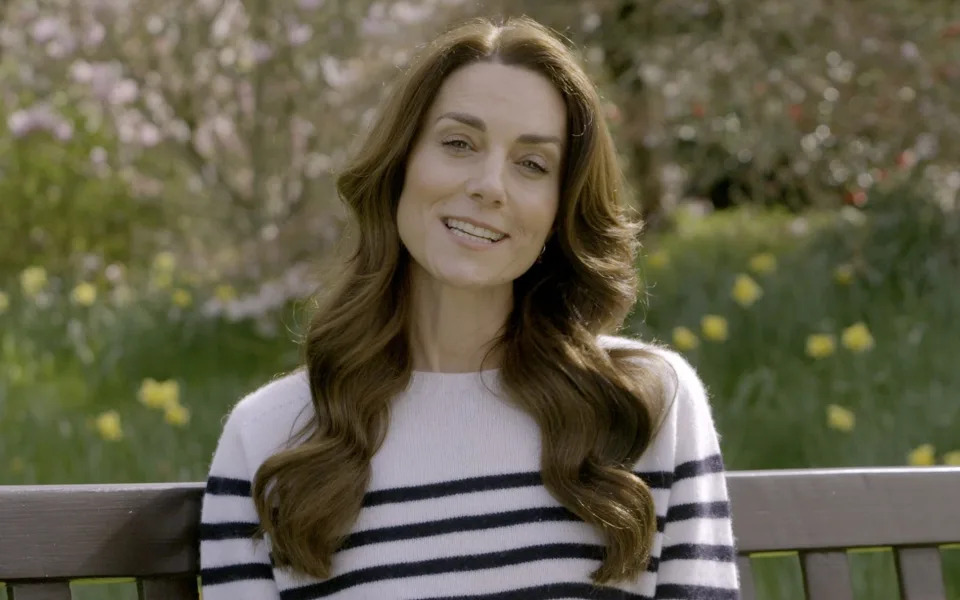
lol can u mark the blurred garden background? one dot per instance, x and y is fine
(167, 199)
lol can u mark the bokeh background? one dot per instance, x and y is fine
(166, 200)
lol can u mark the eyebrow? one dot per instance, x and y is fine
(477, 123)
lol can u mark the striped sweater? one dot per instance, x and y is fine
(455, 507)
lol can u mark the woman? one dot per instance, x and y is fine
(465, 423)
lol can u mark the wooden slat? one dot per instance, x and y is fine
(174, 588)
(150, 530)
(826, 575)
(747, 590)
(79, 531)
(54, 590)
(842, 508)
(921, 574)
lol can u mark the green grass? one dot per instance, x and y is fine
(63, 365)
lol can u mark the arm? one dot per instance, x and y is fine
(698, 558)
(232, 565)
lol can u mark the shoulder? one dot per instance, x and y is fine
(680, 376)
(688, 431)
(688, 409)
(267, 418)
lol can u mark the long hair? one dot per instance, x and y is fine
(597, 407)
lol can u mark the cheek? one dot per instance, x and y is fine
(540, 215)
(429, 176)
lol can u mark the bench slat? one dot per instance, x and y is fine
(817, 509)
(826, 575)
(54, 590)
(173, 588)
(151, 530)
(78, 531)
(921, 574)
(747, 590)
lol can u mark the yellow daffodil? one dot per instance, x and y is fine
(745, 290)
(225, 292)
(162, 280)
(181, 297)
(840, 418)
(922, 456)
(763, 263)
(108, 426)
(176, 414)
(85, 294)
(164, 262)
(714, 327)
(4, 303)
(159, 394)
(684, 339)
(843, 274)
(952, 458)
(33, 280)
(658, 259)
(820, 345)
(857, 338)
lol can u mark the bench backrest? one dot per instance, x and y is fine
(821, 513)
(50, 535)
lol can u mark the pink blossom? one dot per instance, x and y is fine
(262, 52)
(46, 29)
(124, 92)
(299, 34)
(19, 123)
(149, 135)
(94, 35)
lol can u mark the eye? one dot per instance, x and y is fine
(457, 144)
(534, 166)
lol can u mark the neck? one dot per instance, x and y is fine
(453, 329)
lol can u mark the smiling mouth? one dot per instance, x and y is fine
(472, 232)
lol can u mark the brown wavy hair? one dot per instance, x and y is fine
(597, 408)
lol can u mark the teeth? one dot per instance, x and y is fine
(470, 236)
(474, 230)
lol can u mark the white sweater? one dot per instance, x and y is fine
(456, 509)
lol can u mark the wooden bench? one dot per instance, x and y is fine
(50, 535)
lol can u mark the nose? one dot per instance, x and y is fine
(486, 183)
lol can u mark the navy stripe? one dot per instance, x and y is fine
(550, 591)
(244, 572)
(463, 524)
(693, 468)
(719, 552)
(458, 524)
(450, 488)
(695, 592)
(437, 566)
(227, 486)
(699, 510)
(654, 479)
(210, 532)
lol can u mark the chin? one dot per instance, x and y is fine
(472, 281)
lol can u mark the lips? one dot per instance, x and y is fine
(474, 223)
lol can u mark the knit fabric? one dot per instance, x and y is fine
(456, 508)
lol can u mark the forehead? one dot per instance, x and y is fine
(504, 97)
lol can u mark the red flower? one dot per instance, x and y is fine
(698, 110)
(855, 198)
(906, 159)
(951, 30)
(796, 112)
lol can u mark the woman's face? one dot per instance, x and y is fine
(483, 177)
